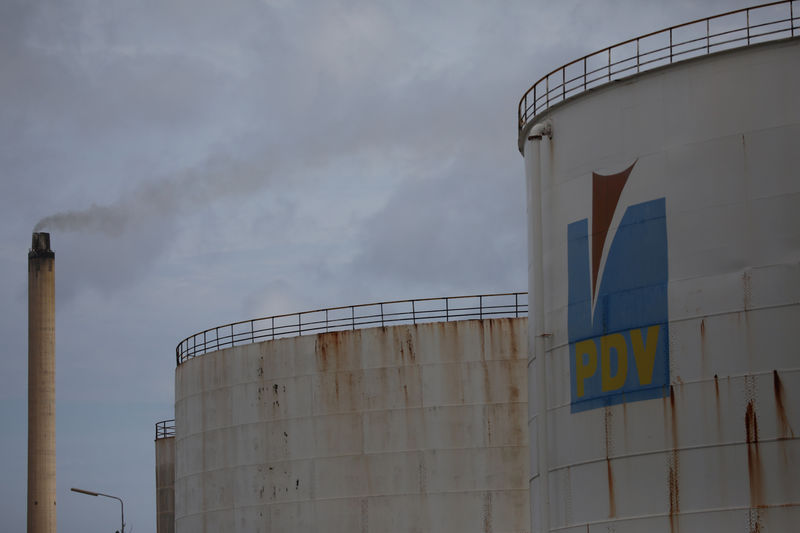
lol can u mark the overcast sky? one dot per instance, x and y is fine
(202, 162)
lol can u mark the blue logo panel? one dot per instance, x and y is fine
(619, 343)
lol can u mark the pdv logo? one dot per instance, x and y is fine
(618, 327)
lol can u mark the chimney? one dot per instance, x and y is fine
(41, 387)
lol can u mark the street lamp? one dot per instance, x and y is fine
(121, 506)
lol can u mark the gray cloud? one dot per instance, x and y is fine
(203, 162)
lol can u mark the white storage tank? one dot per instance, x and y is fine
(664, 230)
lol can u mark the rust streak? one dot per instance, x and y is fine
(612, 504)
(487, 514)
(703, 358)
(753, 455)
(783, 421)
(674, 494)
(719, 410)
(674, 468)
(754, 521)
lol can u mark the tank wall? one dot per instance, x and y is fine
(165, 485)
(704, 245)
(406, 428)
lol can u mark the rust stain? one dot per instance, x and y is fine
(674, 468)
(482, 332)
(406, 348)
(747, 289)
(612, 504)
(703, 358)
(674, 494)
(625, 424)
(719, 410)
(513, 339)
(487, 384)
(753, 455)
(487, 513)
(754, 521)
(673, 418)
(783, 421)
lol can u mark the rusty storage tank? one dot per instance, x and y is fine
(664, 232)
(165, 476)
(400, 426)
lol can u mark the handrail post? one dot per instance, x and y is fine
(637, 54)
(447, 310)
(273, 328)
(534, 103)
(353, 317)
(609, 63)
(382, 314)
(547, 88)
(670, 45)
(480, 307)
(516, 305)
(252, 331)
(708, 37)
(299, 323)
(791, 17)
(584, 73)
(413, 313)
(563, 84)
(326, 321)
(747, 14)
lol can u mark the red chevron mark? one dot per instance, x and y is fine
(606, 191)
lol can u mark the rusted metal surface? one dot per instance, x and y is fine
(416, 427)
(742, 27)
(165, 481)
(713, 448)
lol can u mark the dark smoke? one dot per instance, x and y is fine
(218, 178)
(96, 218)
(115, 245)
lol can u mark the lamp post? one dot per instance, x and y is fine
(121, 505)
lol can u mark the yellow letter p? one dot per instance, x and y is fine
(584, 368)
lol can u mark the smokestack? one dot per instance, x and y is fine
(41, 386)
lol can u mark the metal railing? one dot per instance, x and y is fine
(513, 304)
(165, 429)
(734, 29)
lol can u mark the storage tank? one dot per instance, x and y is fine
(400, 426)
(664, 238)
(165, 476)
